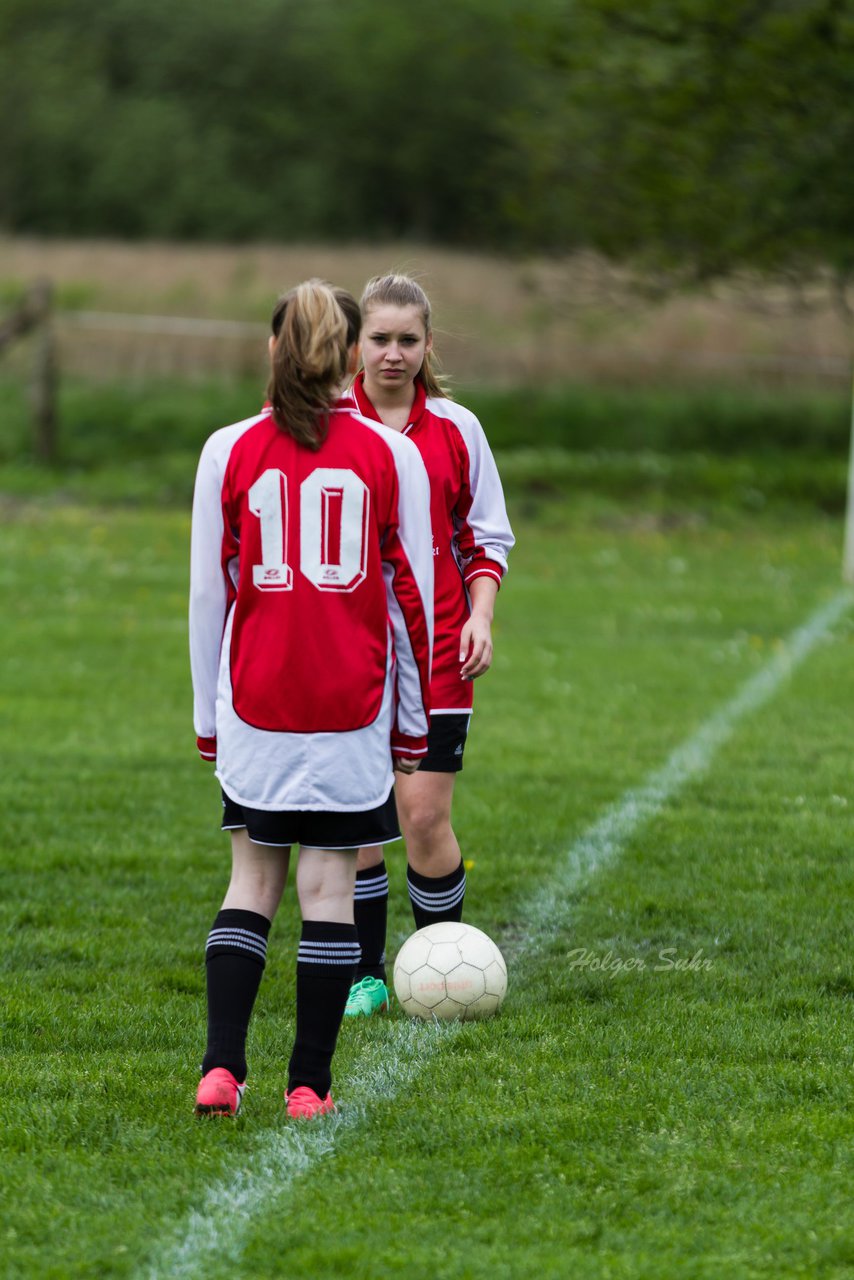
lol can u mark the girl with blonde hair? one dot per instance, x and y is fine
(400, 386)
(311, 603)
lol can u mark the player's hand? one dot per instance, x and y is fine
(400, 765)
(475, 647)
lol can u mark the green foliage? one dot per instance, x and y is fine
(135, 420)
(677, 485)
(696, 134)
(139, 442)
(704, 134)
(663, 418)
(271, 120)
(125, 423)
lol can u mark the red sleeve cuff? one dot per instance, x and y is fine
(207, 748)
(483, 568)
(407, 748)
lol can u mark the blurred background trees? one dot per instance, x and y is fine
(708, 133)
(698, 135)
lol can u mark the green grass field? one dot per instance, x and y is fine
(622, 1117)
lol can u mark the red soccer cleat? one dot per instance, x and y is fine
(219, 1094)
(304, 1104)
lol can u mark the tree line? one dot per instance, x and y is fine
(698, 134)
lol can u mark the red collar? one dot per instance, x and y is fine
(367, 410)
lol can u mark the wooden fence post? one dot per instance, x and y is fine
(44, 377)
(36, 312)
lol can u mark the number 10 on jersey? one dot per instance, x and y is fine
(333, 518)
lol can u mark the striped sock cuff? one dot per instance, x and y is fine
(327, 947)
(371, 883)
(437, 895)
(239, 932)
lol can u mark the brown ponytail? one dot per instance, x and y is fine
(309, 361)
(402, 291)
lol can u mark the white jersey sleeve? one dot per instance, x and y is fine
(484, 537)
(208, 584)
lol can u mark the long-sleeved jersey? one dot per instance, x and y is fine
(471, 532)
(311, 612)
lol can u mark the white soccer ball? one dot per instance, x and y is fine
(450, 970)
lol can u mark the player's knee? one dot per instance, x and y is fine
(425, 823)
(255, 889)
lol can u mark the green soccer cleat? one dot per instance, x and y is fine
(366, 998)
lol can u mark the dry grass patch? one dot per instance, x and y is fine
(500, 320)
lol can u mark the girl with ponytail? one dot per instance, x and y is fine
(311, 606)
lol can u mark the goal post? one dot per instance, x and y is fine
(848, 552)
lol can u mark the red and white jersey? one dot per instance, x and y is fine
(471, 532)
(311, 616)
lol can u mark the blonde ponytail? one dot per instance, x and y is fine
(308, 362)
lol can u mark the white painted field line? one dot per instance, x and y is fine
(218, 1228)
(602, 842)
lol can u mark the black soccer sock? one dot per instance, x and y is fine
(371, 911)
(235, 956)
(436, 898)
(326, 961)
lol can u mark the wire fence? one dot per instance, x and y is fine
(109, 345)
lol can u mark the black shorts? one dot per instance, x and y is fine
(317, 830)
(446, 743)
